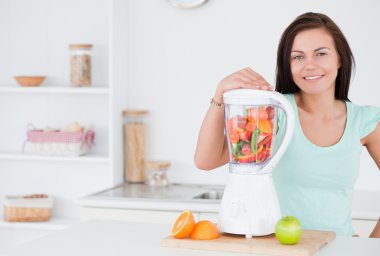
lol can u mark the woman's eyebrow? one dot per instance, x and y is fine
(318, 49)
(322, 48)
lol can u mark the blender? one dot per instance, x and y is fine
(259, 125)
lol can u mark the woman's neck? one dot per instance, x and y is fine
(323, 105)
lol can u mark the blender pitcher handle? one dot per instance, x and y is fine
(289, 112)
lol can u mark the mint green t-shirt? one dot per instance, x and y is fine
(315, 184)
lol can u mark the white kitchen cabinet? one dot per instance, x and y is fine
(162, 217)
(138, 215)
(49, 27)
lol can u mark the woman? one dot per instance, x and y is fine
(315, 177)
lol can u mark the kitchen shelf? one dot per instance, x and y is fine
(90, 158)
(57, 103)
(55, 223)
(55, 90)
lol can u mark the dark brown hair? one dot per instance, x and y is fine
(306, 21)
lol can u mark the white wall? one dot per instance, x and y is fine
(34, 39)
(175, 60)
(35, 36)
(177, 57)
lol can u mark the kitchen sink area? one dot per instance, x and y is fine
(210, 195)
(175, 198)
(173, 192)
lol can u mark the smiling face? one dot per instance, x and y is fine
(314, 61)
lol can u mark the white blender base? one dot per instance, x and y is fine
(249, 205)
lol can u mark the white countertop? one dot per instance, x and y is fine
(105, 237)
(179, 197)
(139, 196)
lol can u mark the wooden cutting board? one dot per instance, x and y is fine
(310, 242)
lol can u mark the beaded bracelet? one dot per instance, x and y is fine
(213, 102)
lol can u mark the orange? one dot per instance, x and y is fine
(184, 225)
(263, 114)
(205, 230)
(265, 126)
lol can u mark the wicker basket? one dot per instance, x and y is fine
(36, 207)
(60, 143)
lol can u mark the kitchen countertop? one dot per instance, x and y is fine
(106, 237)
(170, 198)
(177, 196)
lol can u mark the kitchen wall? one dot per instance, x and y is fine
(177, 57)
(34, 39)
(175, 60)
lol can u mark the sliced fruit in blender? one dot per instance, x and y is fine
(265, 126)
(271, 112)
(254, 140)
(234, 137)
(247, 159)
(252, 115)
(236, 122)
(262, 156)
(263, 114)
(246, 149)
(232, 125)
(264, 138)
(236, 147)
(251, 136)
(251, 126)
(241, 121)
(245, 135)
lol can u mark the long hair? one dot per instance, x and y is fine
(306, 21)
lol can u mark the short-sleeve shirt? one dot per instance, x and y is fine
(315, 184)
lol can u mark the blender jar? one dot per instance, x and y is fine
(252, 130)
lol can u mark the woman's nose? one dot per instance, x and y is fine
(310, 64)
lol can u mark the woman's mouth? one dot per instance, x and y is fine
(313, 77)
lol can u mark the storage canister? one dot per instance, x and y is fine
(80, 64)
(156, 173)
(134, 144)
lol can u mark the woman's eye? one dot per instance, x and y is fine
(321, 54)
(297, 57)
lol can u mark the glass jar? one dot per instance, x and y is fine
(156, 173)
(80, 64)
(134, 144)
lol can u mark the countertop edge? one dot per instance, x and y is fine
(149, 205)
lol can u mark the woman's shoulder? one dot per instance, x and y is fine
(362, 109)
(364, 117)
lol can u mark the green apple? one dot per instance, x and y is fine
(288, 230)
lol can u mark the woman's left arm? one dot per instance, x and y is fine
(372, 143)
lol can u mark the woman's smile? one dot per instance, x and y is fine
(313, 77)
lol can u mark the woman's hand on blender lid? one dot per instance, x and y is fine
(245, 78)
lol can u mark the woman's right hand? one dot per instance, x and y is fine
(212, 148)
(245, 78)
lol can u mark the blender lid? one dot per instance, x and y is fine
(250, 97)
